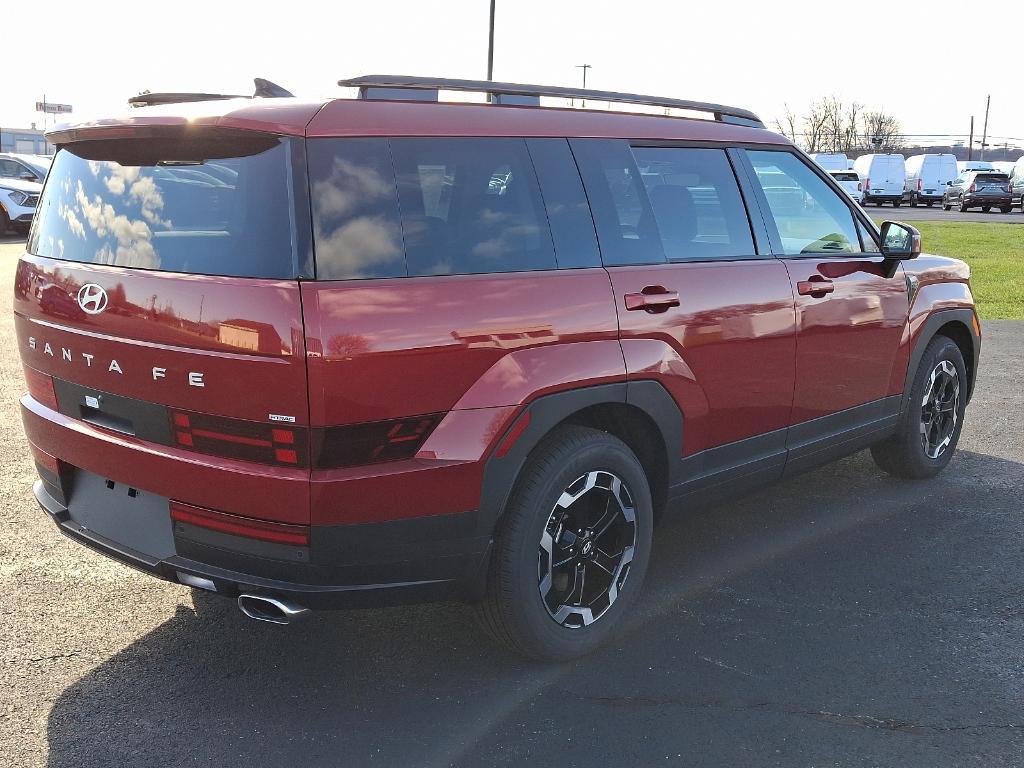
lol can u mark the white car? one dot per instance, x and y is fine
(850, 182)
(18, 200)
(24, 167)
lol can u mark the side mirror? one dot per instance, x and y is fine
(949, 183)
(900, 241)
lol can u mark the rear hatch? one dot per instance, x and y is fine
(994, 184)
(160, 292)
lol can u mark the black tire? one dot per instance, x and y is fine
(897, 203)
(946, 206)
(986, 208)
(963, 207)
(1006, 209)
(513, 611)
(929, 203)
(913, 201)
(904, 454)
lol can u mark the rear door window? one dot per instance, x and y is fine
(224, 204)
(470, 205)
(623, 216)
(810, 216)
(991, 179)
(696, 203)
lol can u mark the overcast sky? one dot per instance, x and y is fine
(911, 59)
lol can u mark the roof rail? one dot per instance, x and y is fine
(264, 89)
(722, 113)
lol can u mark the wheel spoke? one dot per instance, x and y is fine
(606, 562)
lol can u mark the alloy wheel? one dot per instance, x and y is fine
(586, 549)
(939, 408)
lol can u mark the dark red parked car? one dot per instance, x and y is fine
(386, 349)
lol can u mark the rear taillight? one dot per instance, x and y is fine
(281, 533)
(972, 188)
(40, 386)
(918, 185)
(372, 442)
(867, 183)
(237, 439)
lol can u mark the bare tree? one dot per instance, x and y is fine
(787, 124)
(815, 127)
(881, 131)
(833, 126)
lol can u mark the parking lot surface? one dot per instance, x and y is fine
(843, 618)
(935, 213)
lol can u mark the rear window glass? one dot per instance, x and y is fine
(623, 216)
(470, 205)
(841, 176)
(212, 206)
(991, 178)
(696, 203)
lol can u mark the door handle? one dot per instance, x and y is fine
(816, 286)
(653, 298)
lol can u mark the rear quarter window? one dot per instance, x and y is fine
(445, 206)
(470, 205)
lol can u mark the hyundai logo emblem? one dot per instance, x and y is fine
(92, 298)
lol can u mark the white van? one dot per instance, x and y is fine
(831, 161)
(927, 177)
(963, 166)
(884, 178)
(1004, 166)
(1017, 184)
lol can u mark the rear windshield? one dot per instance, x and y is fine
(219, 205)
(991, 178)
(845, 176)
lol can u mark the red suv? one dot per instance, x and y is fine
(385, 349)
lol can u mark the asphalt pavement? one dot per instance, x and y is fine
(842, 618)
(935, 213)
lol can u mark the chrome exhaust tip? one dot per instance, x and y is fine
(271, 609)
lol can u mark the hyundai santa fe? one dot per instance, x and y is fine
(389, 349)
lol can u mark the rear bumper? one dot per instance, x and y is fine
(410, 559)
(987, 199)
(447, 570)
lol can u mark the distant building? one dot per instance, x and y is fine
(26, 141)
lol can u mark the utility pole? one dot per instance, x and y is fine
(584, 67)
(984, 132)
(970, 141)
(490, 46)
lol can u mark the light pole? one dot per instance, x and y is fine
(490, 46)
(584, 67)
(984, 131)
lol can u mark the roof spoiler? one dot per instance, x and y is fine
(264, 90)
(390, 86)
